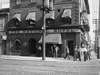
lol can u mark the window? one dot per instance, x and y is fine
(18, 2)
(2, 23)
(31, 18)
(66, 16)
(66, 0)
(50, 19)
(32, 1)
(17, 19)
(31, 22)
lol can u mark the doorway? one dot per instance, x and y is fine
(32, 46)
(16, 47)
(71, 47)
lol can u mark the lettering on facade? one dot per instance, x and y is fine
(48, 31)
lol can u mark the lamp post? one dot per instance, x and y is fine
(46, 7)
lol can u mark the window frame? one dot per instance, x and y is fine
(66, 16)
(18, 2)
(32, 1)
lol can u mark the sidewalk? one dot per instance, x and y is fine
(93, 57)
(12, 57)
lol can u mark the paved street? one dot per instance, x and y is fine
(20, 66)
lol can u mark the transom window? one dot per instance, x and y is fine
(32, 1)
(18, 2)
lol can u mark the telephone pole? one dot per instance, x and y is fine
(95, 21)
(98, 50)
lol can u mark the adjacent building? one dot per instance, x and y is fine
(4, 18)
(67, 24)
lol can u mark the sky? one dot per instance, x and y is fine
(93, 13)
(94, 7)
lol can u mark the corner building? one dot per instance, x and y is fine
(65, 25)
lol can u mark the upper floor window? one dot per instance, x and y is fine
(31, 18)
(66, 0)
(17, 19)
(2, 23)
(50, 19)
(66, 16)
(32, 1)
(18, 2)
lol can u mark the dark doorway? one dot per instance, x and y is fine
(32, 47)
(4, 47)
(17, 47)
(71, 47)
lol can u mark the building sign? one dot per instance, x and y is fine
(41, 31)
(25, 31)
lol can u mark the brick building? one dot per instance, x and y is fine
(4, 18)
(65, 25)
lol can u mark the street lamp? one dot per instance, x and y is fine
(46, 7)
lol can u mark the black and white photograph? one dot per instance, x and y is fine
(49, 37)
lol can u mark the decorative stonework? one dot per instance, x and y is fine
(75, 13)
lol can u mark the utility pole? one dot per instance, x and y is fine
(95, 21)
(46, 7)
(98, 54)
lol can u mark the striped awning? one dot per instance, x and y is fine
(52, 38)
(17, 16)
(66, 13)
(50, 15)
(31, 16)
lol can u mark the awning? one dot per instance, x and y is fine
(50, 15)
(66, 13)
(52, 38)
(4, 37)
(17, 16)
(31, 16)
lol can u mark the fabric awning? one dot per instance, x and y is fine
(17, 16)
(31, 16)
(66, 13)
(52, 38)
(4, 37)
(50, 15)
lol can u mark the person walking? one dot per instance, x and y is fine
(80, 53)
(39, 51)
(85, 53)
(55, 50)
(75, 53)
(88, 53)
(67, 53)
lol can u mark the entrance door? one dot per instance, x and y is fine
(4, 47)
(32, 46)
(71, 47)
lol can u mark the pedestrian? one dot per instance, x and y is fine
(75, 53)
(79, 53)
(55, 50)
(39, 49)
(67, 53)
(88, 53)
(0, 51)
(85, 52)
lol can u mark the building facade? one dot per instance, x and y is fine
(65, 25)
(4, 18)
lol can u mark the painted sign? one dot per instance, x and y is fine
(41, 31)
